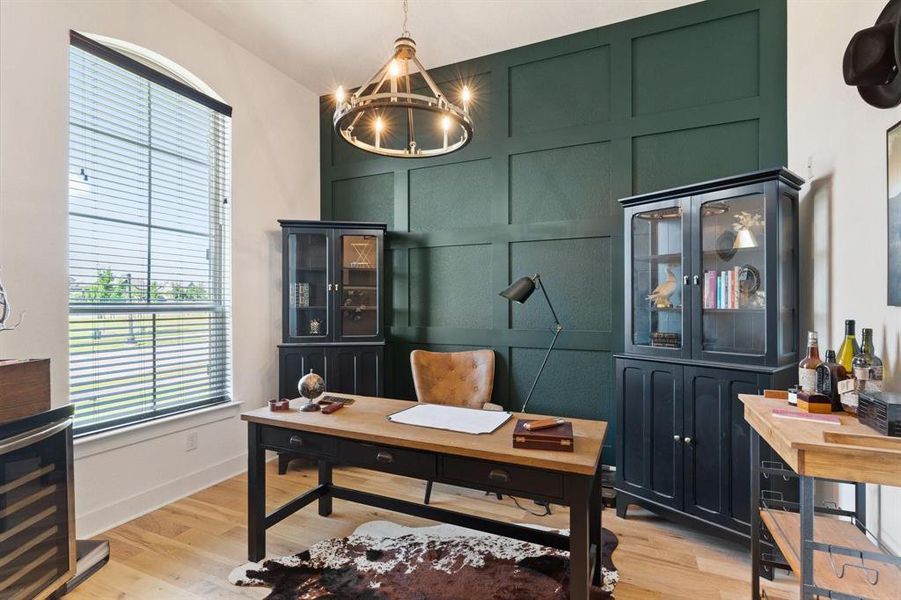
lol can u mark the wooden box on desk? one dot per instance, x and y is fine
(24, 388)
(559, 437)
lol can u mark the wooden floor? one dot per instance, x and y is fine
(188, 548)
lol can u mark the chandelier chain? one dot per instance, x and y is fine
(406, 32)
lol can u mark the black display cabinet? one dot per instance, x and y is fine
(711, 311)
(333, 306)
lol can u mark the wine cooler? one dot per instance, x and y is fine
(37, 528)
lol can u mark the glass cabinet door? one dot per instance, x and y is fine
(731, 236)
(358, 288)
(308, 283)
(657, 241)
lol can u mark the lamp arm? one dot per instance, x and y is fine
(557, 326)
(547, 355)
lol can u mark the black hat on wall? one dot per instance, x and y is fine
(873, 59)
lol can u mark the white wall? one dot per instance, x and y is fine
(843, 205)
(275, 157)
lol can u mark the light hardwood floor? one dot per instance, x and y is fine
(188, 548)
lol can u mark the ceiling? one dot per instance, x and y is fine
(322, 43)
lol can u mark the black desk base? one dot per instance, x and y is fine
(582, 493)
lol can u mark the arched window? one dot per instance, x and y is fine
(149, 237)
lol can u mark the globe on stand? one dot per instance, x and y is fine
(310, 386)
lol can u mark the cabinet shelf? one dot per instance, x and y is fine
(670, 309)
(785, 528)
(733, 310)
(672, 257)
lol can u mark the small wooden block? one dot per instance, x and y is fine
(24, 388)
(820, 408)
(776, 394)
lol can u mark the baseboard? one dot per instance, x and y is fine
(106, 517)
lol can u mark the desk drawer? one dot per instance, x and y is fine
(502, 477)
(300, 442)
(390, 460)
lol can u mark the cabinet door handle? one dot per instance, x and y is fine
(685, 280)
(384, 457)
(295, 440)
(329, 287)
(688, 441)
(697, 279)
(499, 475)
(677, 438)
(336, 287)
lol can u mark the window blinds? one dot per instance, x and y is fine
(149, 292)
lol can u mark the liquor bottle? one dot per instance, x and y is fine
(829, 373)
(849, 348)
(807, 368)
(867, 366)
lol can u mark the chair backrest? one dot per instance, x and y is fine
(453, 378)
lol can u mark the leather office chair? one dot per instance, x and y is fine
(463, 379)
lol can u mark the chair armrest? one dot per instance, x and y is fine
(494, 407)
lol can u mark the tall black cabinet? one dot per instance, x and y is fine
(333, 306)
(711, 311)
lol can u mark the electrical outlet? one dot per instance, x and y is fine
(191, 441)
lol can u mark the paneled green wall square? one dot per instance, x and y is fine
(561, 184)
(364, 199)
(578, 276)
(698, 65)
(450, 196)
(674, 158)
(560, 91)
(450, 286)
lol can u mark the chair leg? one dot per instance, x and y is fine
(428, 491)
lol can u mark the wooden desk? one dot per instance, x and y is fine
(361, 436)
(851, 453)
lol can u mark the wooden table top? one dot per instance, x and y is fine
(367, 420)
(849, 452)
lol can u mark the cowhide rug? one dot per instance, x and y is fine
(386, 561)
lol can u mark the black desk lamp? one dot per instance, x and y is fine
(519, 291)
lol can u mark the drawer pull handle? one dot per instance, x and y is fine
(499, 475)
(384, 457)
(295, 440)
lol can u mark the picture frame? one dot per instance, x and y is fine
(893, 210)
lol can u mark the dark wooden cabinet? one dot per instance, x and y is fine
(332, 307)
(683, 446)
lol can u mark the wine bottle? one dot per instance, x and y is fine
(807, 368)
(866, 365)
(849, 348)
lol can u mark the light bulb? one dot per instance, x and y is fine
(379, 125)
(466, 94)
(339, 94)
(446, 123)
(394, 69)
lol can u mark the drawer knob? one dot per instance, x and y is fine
(499, 475)
(384, 457)
(687, 440)
(295, 440)
(677, 438)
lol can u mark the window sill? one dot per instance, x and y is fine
(106, 441)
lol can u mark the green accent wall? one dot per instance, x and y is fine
(563, 128)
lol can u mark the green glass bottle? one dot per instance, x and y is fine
(867, 366)
(849, 348)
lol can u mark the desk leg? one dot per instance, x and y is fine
(595, 532)
(806, 510)
(256, 494)
(325, 478)
(579, 555)
(755, 514)
(860, 505)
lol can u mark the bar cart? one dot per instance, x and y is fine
(833, 557)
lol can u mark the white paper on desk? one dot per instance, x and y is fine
(451, 418)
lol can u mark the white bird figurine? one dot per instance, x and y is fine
(664, 289)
